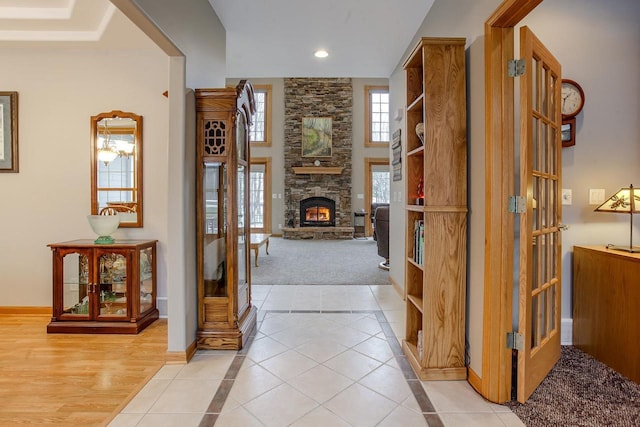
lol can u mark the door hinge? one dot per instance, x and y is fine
(517, 204)
(515, 341)
(516, 67)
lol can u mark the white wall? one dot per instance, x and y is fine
(59, 91)
(48, 200)
(359, 151)
(597, 45)
(397, 215)
(194, 27)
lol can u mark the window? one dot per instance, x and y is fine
(377, 115)
(260, 195)
(260, 130)
(381, 186)
(256, 196)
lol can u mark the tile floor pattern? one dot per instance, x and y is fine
(322, 356)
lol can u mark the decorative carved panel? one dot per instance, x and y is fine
(214, 137)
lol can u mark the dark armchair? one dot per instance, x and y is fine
(381, 234)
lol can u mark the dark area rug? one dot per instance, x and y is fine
(581, 391)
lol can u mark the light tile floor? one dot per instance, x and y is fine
(322, 356)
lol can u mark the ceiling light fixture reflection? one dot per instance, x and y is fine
(321, 53)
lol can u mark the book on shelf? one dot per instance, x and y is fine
(418, 241)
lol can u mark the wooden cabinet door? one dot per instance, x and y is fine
(112, 291)
(73, 274)
(540, 250)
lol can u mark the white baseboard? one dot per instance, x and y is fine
(566, 332)
(161, 302)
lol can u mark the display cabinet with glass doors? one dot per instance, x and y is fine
(225, 313)
(101, 288)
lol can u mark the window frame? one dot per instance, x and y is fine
(267, 89)
(369, 163)
(368, 140)
(266, 215)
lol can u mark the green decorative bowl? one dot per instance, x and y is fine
(104, 226)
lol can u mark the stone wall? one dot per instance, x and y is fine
(318, 97)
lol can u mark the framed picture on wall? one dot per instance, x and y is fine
(8, 131)
(316, 136)
(397, 156)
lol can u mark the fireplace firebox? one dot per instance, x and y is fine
(317, 212)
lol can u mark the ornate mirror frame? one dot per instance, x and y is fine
(116, 166)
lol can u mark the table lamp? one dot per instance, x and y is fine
(624, 201)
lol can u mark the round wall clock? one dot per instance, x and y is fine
(572, 98)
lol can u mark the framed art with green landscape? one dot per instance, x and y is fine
(316, 136)
(8, 131)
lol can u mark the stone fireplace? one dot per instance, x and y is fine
(314, 177)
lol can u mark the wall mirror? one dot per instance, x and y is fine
(116, 166)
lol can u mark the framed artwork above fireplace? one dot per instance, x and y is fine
(316, 136)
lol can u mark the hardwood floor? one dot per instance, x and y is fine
(72, 379)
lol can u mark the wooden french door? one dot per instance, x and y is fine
(540, 241)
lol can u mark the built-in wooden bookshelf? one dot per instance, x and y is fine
(436, 177)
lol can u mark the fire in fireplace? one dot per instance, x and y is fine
(317, 212)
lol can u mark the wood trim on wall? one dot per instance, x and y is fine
(368, 188)
(474, 379)
(495, 382)
(181, 357)
(25, 311)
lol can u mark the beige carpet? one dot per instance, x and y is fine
(319, 262)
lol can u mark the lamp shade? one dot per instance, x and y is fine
(626, 200)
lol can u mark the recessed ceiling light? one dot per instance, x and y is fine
(321, 53)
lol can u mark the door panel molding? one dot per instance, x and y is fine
(540, 180)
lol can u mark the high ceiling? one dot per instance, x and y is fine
(364, 38)
(274, 38)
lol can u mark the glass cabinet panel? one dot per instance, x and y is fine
(75, 297)
(242, 242)
(112, 269)
(214, 259)
(146, 280)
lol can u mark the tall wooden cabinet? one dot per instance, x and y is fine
(225, 313)
(436, 234)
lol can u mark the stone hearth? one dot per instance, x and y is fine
(317, 233)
